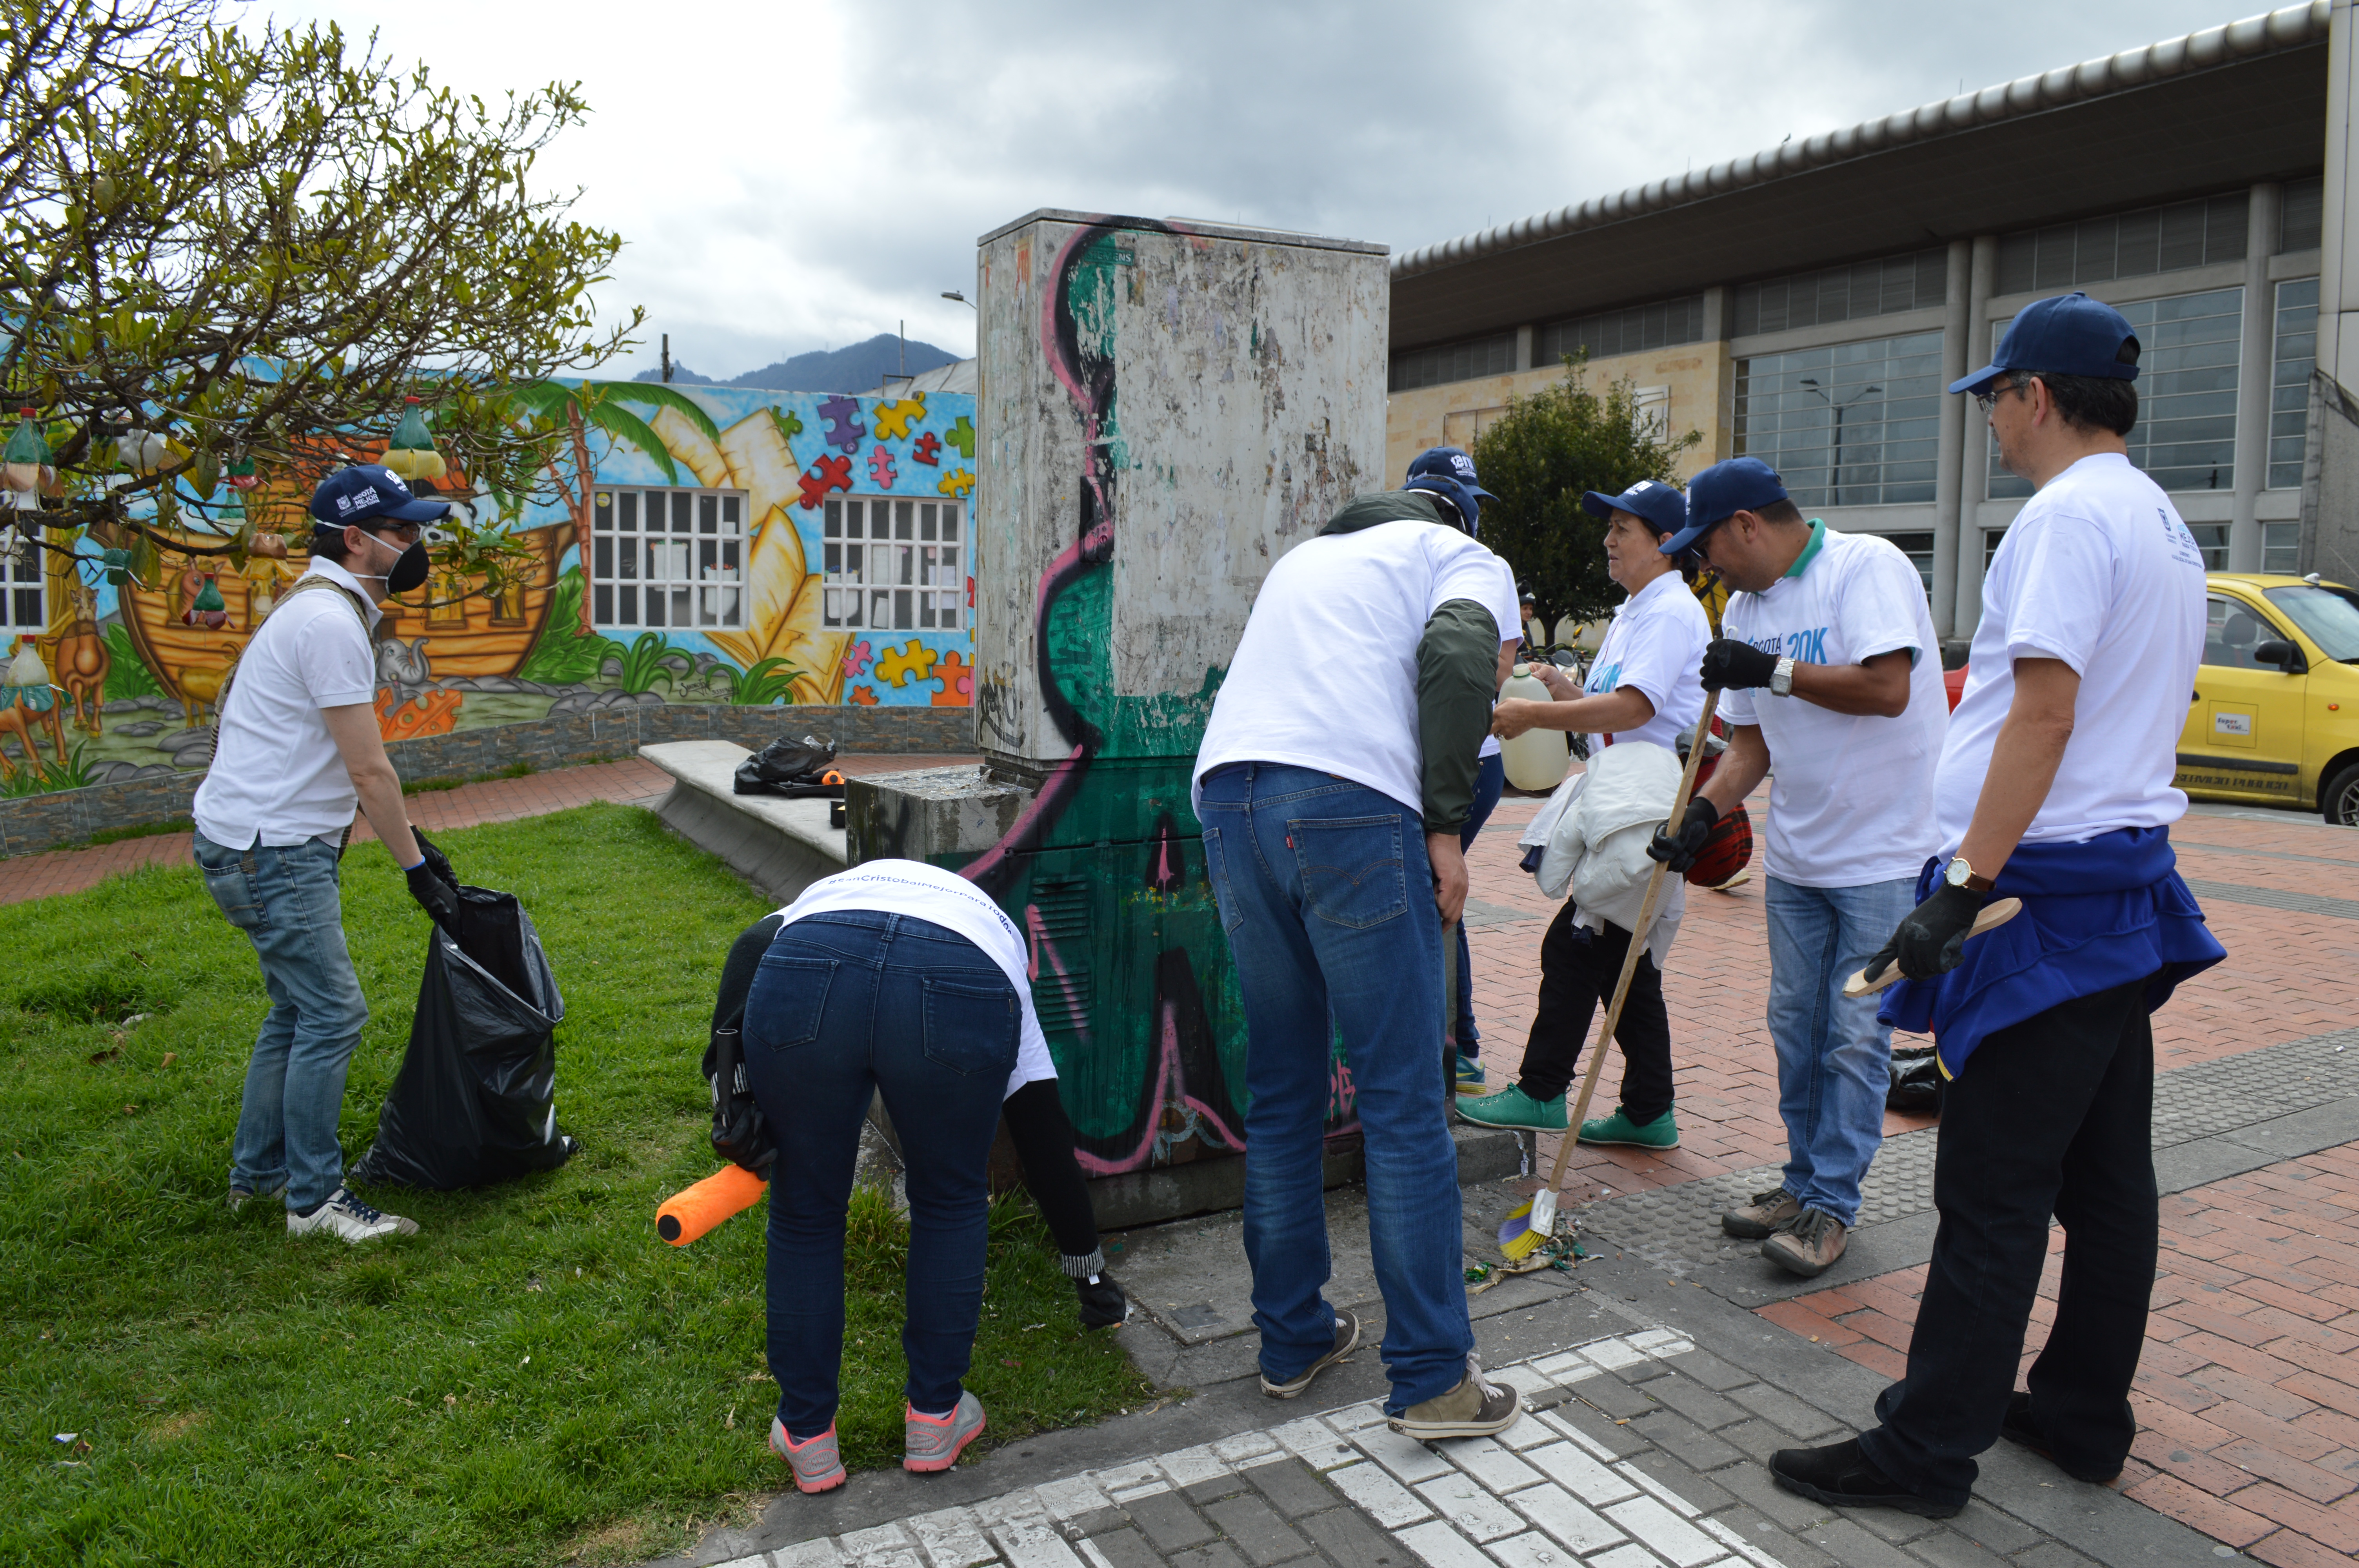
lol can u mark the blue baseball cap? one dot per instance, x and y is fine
(1660, 506)
(370, 492)
(2070, 334)
(1449, 472)
(1719, 492)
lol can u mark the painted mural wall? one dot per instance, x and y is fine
(729, 545)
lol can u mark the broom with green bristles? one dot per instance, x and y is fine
(1535, 1222)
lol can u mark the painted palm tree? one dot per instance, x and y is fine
(573, 409)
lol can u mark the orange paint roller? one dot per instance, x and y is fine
(694, 1210)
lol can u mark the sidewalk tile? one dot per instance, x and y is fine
(1485, 1459)
(1315, 1443)
(1554, 1510)
(1650, 1522)
(1405, 1457)
(1441, 1547)
(1466, 1504)
(1580, 1475)
(1386, 1500)
(950, 1539)
(1254, 1530)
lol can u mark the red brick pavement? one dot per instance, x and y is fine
(2247, 1396)
(632, 781)
(1717, 982)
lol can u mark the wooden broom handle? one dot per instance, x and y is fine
(1637, 945)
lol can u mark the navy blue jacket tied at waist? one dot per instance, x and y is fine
(2095, 915)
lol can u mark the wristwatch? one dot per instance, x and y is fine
(1781, 679)
(1959, 874)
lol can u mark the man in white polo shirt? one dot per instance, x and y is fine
(298, 747)
(2055, 788)
(1833, 679)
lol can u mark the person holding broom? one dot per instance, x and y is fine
(1642, 687)
(1832, 676)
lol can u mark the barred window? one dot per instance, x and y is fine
(667, 557)
(2185, 437)
(1854, 424)
(1634, 330)
(25, 603)
(1918, 548)
(2294, 354)
(2126, 245)
(1414, 368)
(894, 566)
(1882, 287)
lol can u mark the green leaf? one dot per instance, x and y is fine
(625, 426)
(657, 395)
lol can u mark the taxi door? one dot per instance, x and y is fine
(2244, 733)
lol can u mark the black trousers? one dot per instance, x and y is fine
(1578, 972)
(1034, 1117)
(2052, 1117)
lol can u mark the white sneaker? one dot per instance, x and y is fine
(346, 1218)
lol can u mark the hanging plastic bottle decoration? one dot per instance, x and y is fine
(241, 476)
(118, 566)
(142, 452)
(209, 610)
(26, 465)
(411, 452)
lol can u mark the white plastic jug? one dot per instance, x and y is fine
(1536, 758)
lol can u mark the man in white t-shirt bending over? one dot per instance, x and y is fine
(2055, 788)
(1833, 678)
(1333, 791)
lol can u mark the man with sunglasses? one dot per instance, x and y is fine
(2055, 788)
(298, 748)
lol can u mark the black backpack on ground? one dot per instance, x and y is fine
(796, 770)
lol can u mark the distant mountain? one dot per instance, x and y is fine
(856, 369)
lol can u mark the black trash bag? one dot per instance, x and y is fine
(1916, 1086)
(795, 769)
(476, 1101)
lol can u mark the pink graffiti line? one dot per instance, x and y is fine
(1036, 929)
(1167, 1079)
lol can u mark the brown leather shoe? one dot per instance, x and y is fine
(1809, 1246)
(1765, 1216)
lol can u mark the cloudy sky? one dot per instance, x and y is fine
(791, 176)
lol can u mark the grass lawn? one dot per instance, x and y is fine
(534, 1377)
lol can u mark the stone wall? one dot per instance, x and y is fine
(30, 824)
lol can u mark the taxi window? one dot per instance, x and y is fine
(2326, 615)
(2232, 630)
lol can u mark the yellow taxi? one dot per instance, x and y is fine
(2275, 715)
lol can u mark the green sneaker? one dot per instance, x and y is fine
(1660, 1133)
(1511, 1107)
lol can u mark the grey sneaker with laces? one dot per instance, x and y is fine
(1475, 1407)
(1809, 1246)
(1763, 1214)
(347, 1218)
(930, 1442)
(1347, 1339)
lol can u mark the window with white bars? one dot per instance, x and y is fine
(668, 558)
(24, 607)
(893, 565)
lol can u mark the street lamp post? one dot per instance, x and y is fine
(1834, 472)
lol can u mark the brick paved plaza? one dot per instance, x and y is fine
(1666, 1368)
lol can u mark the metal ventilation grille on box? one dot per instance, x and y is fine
(1059, 918)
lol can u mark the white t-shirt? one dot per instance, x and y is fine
(1325, 676)
(929, 893)
(2097, 570)
(1851, 800)
(1656, 644)
(276, 773)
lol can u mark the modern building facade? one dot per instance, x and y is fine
(1809, 304)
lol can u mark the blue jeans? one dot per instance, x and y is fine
(1327, 898)
(845, 1006)
(1489, 782)
(286, 901)
(1833, 1059)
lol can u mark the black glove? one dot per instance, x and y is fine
(1728, 663)
(438, 898)
(436, 861)
(1932, 939)
(1679, 850)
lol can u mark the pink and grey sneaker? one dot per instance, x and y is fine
(817, 1465)
(935, 1441)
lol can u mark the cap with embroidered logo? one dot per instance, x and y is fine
(367, 493)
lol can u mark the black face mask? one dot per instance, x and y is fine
(407, 572)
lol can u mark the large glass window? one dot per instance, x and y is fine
(2185, 437)
(1881, 287)
(2295, 353)
(1494, 355)
(894, 566)
(2126, 245)
(2302, 217)
(1918, 548)
(667, 557)
(1854, 424)
(1631, 331)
